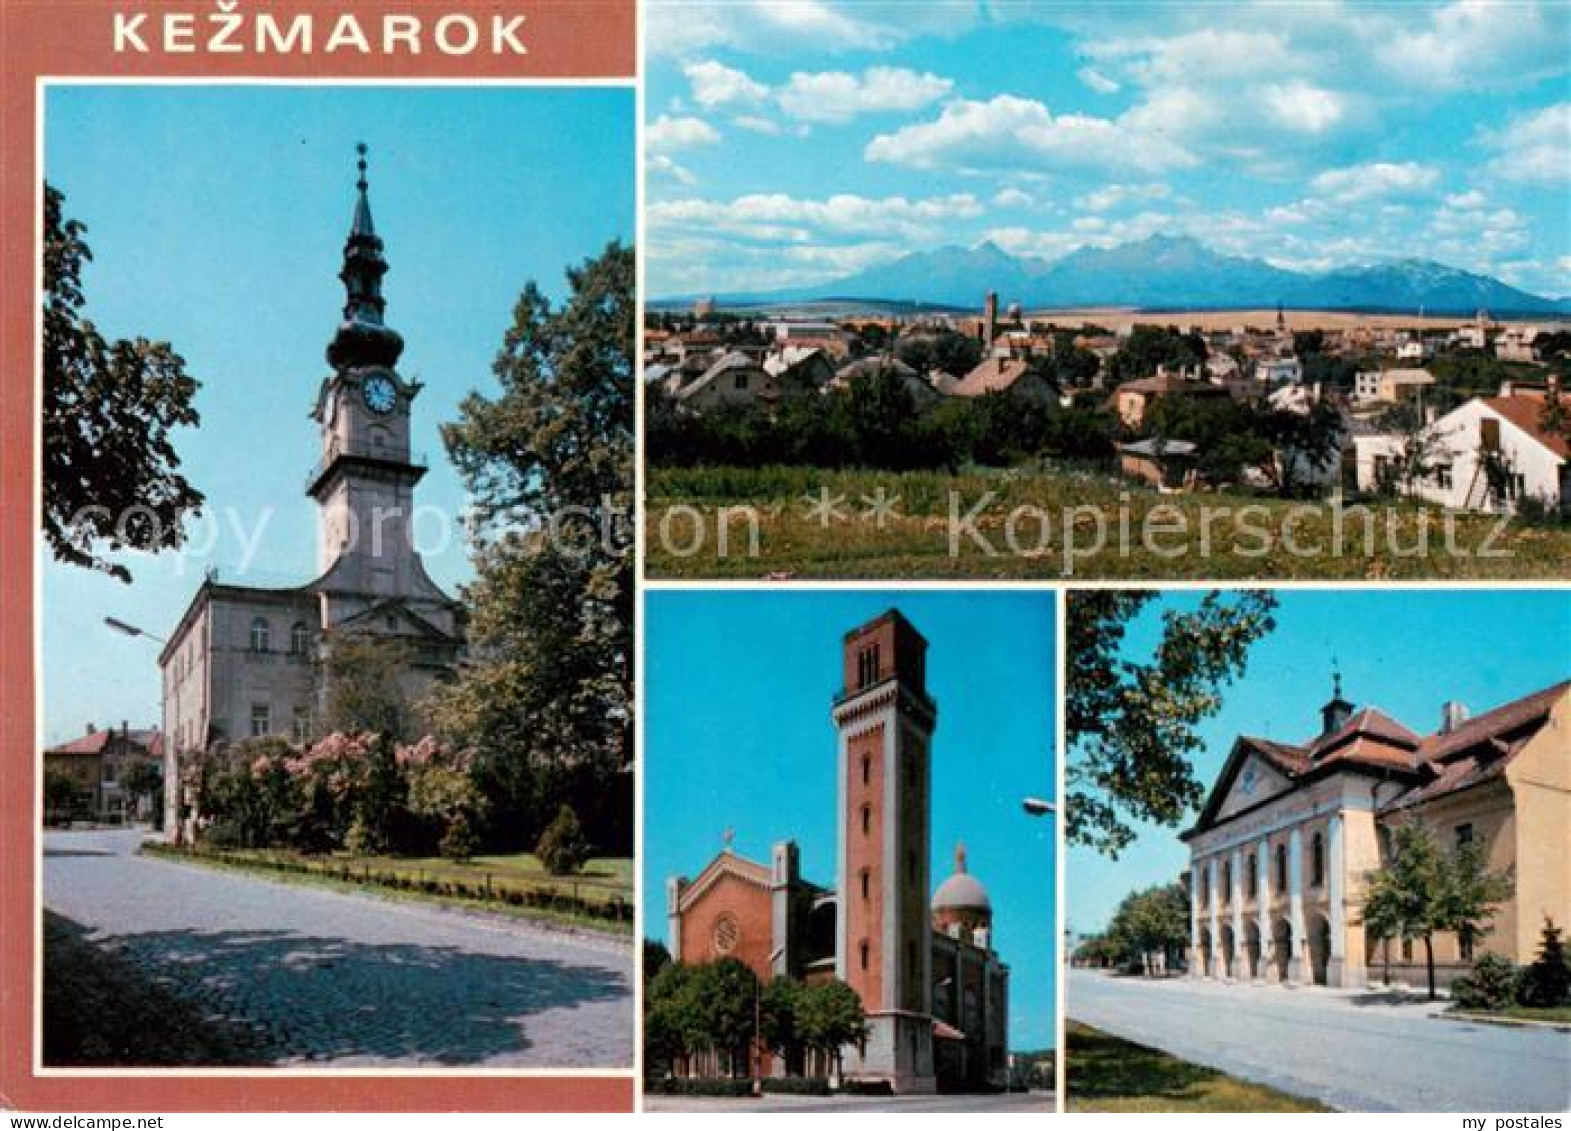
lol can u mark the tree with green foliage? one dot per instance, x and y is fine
(728, 994)
(1131, 724)
(362, 685)
(945, 351)
(1148, 923)
(562, 847)
(546, 703)
(832, 1017)
(780, 1017)
(111, 475)
(1151, 347)
(143, 779)
(59, 794)
(1418, 452)
(1420, 890)
(1547, 982)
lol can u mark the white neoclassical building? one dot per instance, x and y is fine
(1279, 855)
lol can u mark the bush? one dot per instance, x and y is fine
(866, 1088)
(458, 842)
(1547, 982)
(703, 1086)
(1491, 985)
(796, 1085)
(562, 848)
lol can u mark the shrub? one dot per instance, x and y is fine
(1491, 985)
(866, 1088)
(562, 848)
(796, 1085)
(458, 842)
(1547, 982)
(703, 1086)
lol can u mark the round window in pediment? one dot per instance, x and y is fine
(726, 934)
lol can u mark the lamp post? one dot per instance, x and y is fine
(126, 629)
(1038, 807)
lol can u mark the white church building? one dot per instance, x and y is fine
(243, 661)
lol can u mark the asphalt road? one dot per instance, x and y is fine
(1354, 1051)
(1018, 1102)
(325, 978)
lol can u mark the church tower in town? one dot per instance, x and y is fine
(364, 484)
(885, 721)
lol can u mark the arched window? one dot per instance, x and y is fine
(299, 639)
(867, 768)
(1317, 855)
(1251, 881)
(864, 955)
(1227, 881)
(867, 819)
(866, 883)
(259, 635)
(1205, 887)
(1281, 867)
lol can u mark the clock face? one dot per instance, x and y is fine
(380, 396)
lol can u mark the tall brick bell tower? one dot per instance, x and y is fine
(885, 722)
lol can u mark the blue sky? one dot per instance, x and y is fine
(739, 685)
(791, 143)
(1404, 651)
(217, 216)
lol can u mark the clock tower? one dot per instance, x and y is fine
(364, 483)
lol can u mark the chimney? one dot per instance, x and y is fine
(990, 319)
(91, 729)
(1452, 716)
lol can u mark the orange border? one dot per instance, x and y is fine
(593, 39)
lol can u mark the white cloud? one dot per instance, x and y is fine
(838, 96)
(668, 133)
(1007, 132)
(778, 217)
(1013, 198)
(1470, 43)
(1535, 147)
(1112, 196)
(1472, 198)
(1302, 107)
(1097, 81)
(715, 84)
(1377, 178)
(662, 166)
(758, 124)
(684, 28)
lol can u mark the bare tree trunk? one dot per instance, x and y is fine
(1429, 959)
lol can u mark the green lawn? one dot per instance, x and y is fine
(600, 895)
(927, 535)
(1106, 1074)
(1553, 1014)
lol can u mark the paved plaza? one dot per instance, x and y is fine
(1357, 1051)
(324, 978)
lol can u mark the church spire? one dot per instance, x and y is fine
(1338, 710)
(362, 339)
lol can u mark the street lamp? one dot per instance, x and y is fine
(125, 629)
(1037, 807)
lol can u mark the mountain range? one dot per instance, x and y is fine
(1167, 272)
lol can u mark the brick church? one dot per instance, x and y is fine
(245, 662)
(935, 991)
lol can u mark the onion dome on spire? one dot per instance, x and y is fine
(362, 339)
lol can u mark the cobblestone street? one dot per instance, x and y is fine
(325, 978)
